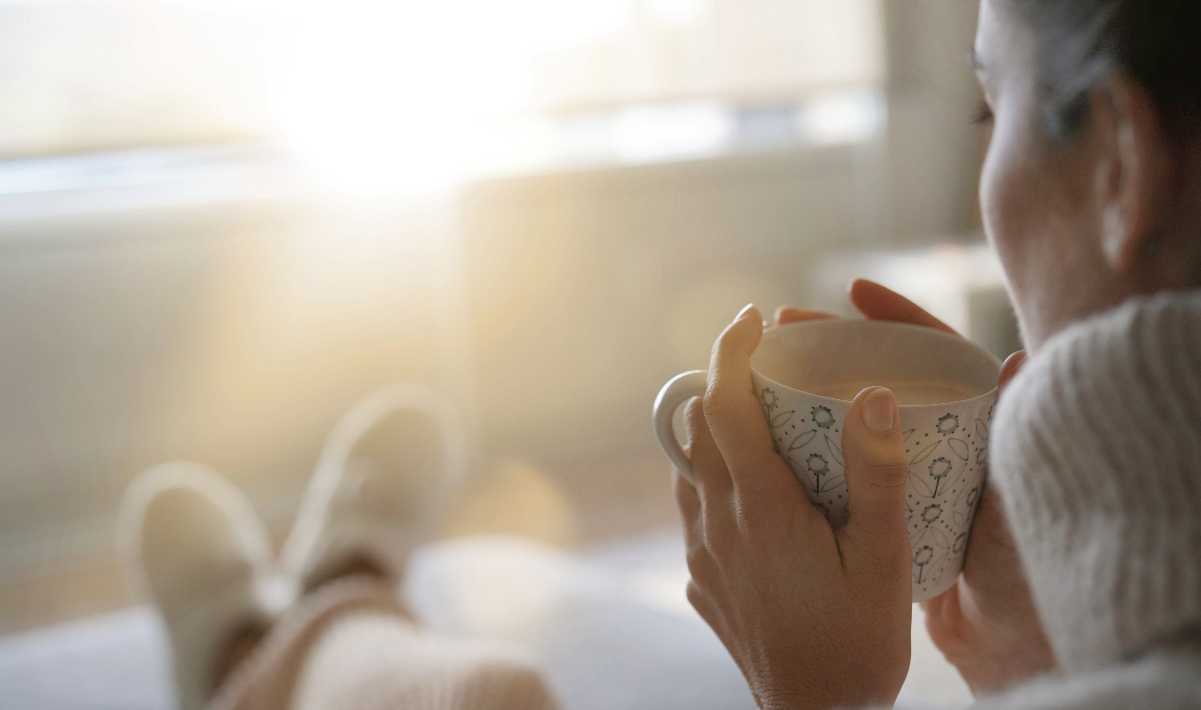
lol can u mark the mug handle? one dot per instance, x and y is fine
(676, 392)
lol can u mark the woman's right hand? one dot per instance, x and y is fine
(985, 625)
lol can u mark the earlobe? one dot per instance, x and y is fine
(1116, 240)
(1111, 184)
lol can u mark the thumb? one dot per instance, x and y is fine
(876, 472)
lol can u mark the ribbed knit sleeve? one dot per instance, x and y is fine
(1096, 450)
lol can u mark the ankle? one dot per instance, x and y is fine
(360, 565)
(240, 646)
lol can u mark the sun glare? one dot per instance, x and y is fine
(413, 96)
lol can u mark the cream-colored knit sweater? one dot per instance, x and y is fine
(1097, 453)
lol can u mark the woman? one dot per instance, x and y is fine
(1091, 194)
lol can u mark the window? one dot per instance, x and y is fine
(440, 83)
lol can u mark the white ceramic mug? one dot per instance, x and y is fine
(946, 437)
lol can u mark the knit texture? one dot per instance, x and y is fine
(375, 662)
(350, 645)
(1096, 450)
(1166, 680)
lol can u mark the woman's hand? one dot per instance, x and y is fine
(814, 617)
(986, 624)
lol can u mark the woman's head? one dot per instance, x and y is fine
(1091, 190)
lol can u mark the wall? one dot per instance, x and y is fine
(588, 290)
(230, 334)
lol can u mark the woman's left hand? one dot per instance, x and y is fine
(815, 617)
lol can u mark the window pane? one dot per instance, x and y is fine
(88, 75)
(84, 75)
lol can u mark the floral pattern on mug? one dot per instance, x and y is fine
(946, 473)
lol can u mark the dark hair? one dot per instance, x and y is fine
(1081, 42)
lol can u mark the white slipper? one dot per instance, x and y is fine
(195, 546)
(381, 487)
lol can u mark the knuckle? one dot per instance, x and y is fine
(720, 550)
(719, 518)
(756, 525)
(696, 596)
(717, 540)
(722, 400)
(877, 552)
(887, 475)
(724, 342)
(763, 510)
(947, 636)
(722, 542)
(763, 530)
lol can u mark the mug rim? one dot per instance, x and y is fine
(959, 340)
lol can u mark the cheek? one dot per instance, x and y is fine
(1018, 208)
(1035, 207)
(1006, 201)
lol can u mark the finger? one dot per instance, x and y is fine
(1013, 365)
(990, 527)
(714, 489)
(708, 467)
(701, 564)
(876, 472)
(701, 602)
(701, 599)
(689, 504)
(788, 314)
(692, 515)
(879, 302)
(735, 417)
(941, 614)
(707, 610)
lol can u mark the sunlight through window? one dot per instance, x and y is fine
(403, 95)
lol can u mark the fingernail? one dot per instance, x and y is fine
(745, 310)
(880, 410)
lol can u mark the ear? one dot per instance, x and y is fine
(1134, 175)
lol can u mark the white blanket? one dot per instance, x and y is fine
(611, 628)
